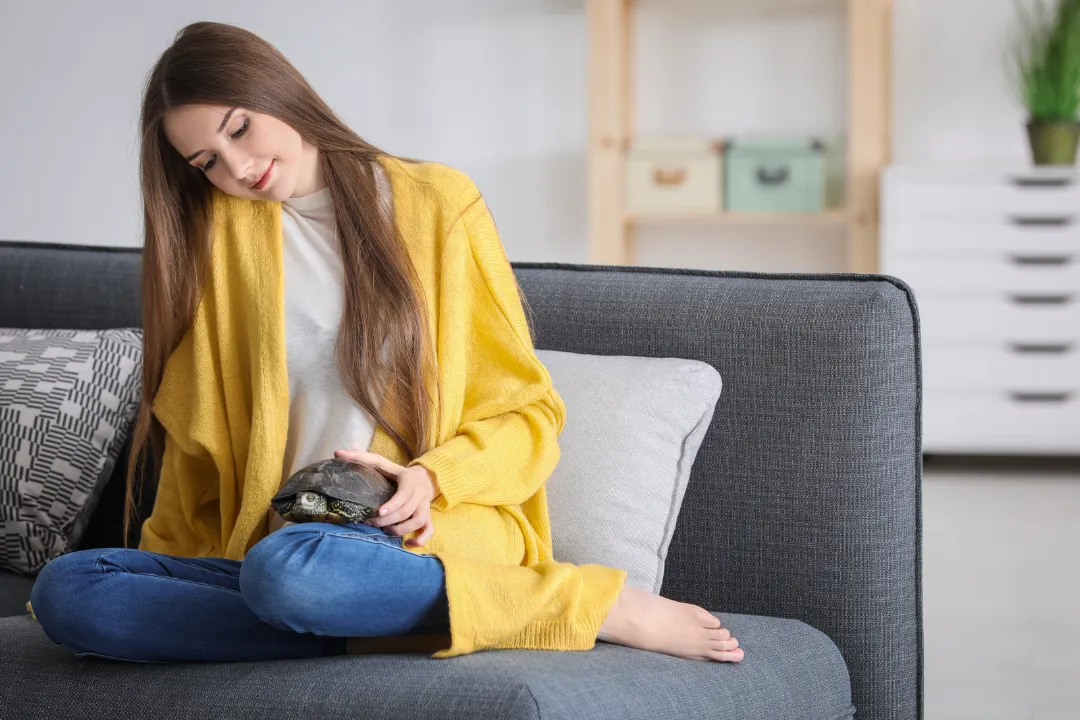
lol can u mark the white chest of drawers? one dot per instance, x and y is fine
(994, 260)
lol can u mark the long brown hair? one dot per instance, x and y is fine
(213, 63)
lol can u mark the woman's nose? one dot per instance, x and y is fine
(238, 166)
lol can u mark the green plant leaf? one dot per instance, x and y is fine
(1046, 59)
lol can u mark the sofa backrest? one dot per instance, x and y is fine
(67, 286)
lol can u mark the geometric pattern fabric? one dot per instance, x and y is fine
(68, 399)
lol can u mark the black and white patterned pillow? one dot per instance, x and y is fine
(68, 399)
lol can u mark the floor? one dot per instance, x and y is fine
(1001, 591)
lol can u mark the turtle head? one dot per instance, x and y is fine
(310, 501)
(307, 504)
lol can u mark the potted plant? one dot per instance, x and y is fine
(1047, 59)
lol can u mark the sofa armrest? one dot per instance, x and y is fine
(805, 498)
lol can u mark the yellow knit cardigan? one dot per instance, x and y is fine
(224, 401)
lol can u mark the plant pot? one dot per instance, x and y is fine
(1053, 142)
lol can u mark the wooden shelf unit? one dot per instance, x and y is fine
(611, 128)
(829, 217)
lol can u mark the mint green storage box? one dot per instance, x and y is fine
(775, 175)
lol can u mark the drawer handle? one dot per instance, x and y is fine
(1041, 260)
(1041, 220)
(1041, 348)
(669, 178)
(1032, 181)
(1024, 299)
(1040, 397)
(779, 176)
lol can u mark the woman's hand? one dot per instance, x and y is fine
(410, 507)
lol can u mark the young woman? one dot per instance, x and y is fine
(307, 295)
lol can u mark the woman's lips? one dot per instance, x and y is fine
(265, 178)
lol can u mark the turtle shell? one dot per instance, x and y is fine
(353, 491)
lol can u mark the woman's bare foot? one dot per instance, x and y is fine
(649, 622)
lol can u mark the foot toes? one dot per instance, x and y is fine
(717, 634)
(725, 645)
(726, 655)
(706, 618)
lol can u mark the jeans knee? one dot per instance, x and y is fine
(272, 586)
(57, 596)
(313, 580)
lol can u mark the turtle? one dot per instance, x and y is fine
(335, 491)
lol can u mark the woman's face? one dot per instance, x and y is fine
(244, 153)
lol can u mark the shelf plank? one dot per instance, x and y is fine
(869, 125)
(609, 83)
(828, 217)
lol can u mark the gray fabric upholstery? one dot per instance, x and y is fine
(63, 286)
(804, 501)
(14, 592)
(791, 672)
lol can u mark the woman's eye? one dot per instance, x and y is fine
(239, 131)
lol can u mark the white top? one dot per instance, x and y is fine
(323, 417)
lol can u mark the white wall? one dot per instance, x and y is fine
(493, 89)
(952, 99)
(498, 89)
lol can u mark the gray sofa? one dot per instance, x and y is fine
(801, 523)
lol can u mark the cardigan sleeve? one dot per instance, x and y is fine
(507, 443)
(184, 517)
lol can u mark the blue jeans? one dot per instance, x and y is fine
(299, 592)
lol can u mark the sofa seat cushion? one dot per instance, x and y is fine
(14, 592)
(791, 671)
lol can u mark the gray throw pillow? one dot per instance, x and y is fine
(633, 428)
(67, 402)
